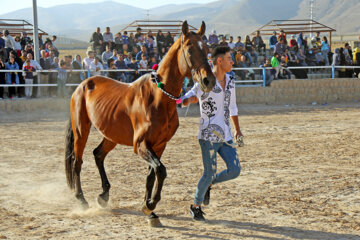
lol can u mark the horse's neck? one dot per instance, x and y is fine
(170, 73)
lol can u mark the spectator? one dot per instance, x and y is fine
(53, 76)
(23, 55)
(114, 54)
(106, 55)
(273, 41)
(125, 38)
(17, 46)
(275, 64)
(118, 41)
(24, 40)
(9, 42)
(162, 53)
(125, 49)
(280, 46)
(2, 78)
(97, 41)
(37, 66)
(239, 45)
(259, 44)
(12, 77)
(127, 58)
(133, 65)
(301, 42)
(293, 41)
(3, 52)
(112, 66)
(325, 49)
(269, 73)
(231, 44)
(138, 34)
(160, 40)
(169, 40)
(76, 65)
(61, 80)
(250, 48)
(143, 51)
(152, 62)
(53, 47)
(29, 77)
(88, 59)
(282, 35)
(223, 42)
(131, 42)
(284, 72)
(213, 39)
(143, 62)
(120, 64)
(95, 67)
(205, 40)
(108, 38)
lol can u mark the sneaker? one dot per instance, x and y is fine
(197, 213)
(207, 196)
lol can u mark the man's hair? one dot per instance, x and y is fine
(62, 63)
(219, 52)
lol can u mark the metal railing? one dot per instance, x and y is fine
(88, 74)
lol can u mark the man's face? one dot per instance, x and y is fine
(239, 39)
(98, 30)
(29, 56)
(231, 39)
(226, 62)
(120, 57)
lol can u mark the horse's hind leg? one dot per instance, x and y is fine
(100, 153)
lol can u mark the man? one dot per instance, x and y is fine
(37, 66)
(108, 38)
(9, 41)
(213, 39)
(143, 51)
(3, 52)
(97, 41)
(259, 43)
(216, 107)
(273, 41)
(231, 44)
(280, 46)
(106, 55)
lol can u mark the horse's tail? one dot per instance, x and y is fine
(69, 156)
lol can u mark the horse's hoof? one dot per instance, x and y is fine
(84, 205)
(154, 221)
(145, 209)
(102, 202)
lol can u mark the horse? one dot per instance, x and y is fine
(141, 114)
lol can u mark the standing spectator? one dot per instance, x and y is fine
(132, 42)
(125, 38)
(20, 62)
(250, 48)
(213, 39)
(301, 42)
(24, 40)
(9, 41)
(37, 66)
(61, 80)
(2, 78)
(95, 67)
(169, 40)
(118, 41)
(325, 49)
(259, 44)
(88, 59)
(53, 76)
(17, 46)
(152, 62)
(3, 52)
(269, 73)
(143, 62)
(76, 65)
(231, 44)
(112, 66)
(97, 41)
(106, 55)
(29, 77)
(160, 40)
(273, 41)
(12, 77)
(108, 38)
(275, 64)
(138, 34)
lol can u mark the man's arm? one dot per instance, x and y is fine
(235, 121)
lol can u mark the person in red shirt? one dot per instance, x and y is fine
(29, 77)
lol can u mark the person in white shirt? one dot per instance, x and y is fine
(217, 107)
(37, 66)
(95, 67)
(88, 59)
(108, 37)
(231, 44)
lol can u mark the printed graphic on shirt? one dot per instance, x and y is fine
(208, 134)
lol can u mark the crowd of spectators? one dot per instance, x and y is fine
(140, 51)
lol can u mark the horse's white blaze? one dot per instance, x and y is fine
(200, 44)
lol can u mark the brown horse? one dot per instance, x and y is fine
(141, 114)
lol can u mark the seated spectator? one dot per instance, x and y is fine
(293, 61)
(118, 41)
(169, 40)
(269, 73)
(150, 46)
(112, 66)
(282, 35)
(273, 41)
(96, 67)
(259, 44)
(133, 65)
(125, 38)
(125, 49)
(88, 59)
(138, 34)
(3, 52)
(213, 39)
(132, 43)
(284, 72)
(12, 77)
(239, 45)
(97, 41)
(24, 40)
(223, 42)
(152, 62)
(106, 55)
(17, 46)
(280, 47)
(161, 54)
(293, 41)
(108, 38)
(127, 58)
(250, 49)
(120, 64)
(143, 51)
(114, 54)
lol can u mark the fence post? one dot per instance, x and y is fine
(264, 76)
(88, 73)
(332, 72)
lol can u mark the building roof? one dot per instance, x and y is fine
(18, 26)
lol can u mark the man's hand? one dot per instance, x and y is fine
(190, 100)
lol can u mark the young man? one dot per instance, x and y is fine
(216, 107)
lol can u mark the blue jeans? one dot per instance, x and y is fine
(209, 151)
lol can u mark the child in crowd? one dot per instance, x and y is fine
(143, 62)
(29, 77)
(152, 62)
(61, 79)
(133, 65)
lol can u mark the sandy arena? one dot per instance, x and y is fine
(300, 179)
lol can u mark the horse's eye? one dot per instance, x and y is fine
(190, 51)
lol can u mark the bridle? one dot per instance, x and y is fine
(193, 69)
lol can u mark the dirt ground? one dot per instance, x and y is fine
(300, 179)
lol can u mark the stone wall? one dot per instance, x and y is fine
(302, 91)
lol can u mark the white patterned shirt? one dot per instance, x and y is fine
(216, 107)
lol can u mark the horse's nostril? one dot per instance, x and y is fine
(206, 81)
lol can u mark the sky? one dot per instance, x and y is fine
(9, 6)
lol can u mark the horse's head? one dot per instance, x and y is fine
(193, 57)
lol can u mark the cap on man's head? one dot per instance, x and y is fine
(6, 32)
(214, 31)
(274, 32)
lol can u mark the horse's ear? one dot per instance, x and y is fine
(201, 30)
(185, 28)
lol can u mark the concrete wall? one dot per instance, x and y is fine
(302, 91)
(281, 92)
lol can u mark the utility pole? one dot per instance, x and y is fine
(36, 33)
(312, 13)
